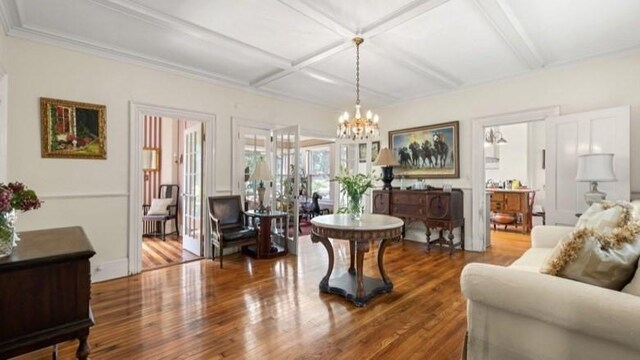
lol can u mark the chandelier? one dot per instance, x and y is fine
(494, 137)
(358, 127)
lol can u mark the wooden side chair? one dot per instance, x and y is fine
(162, 209)
(229, 226)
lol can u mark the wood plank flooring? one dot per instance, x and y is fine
(157, 253)
(272, 309)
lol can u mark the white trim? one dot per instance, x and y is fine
(109, 269)
(4, 125)
(82, 196)
(137, 111)
(478, 240)
(330, 23)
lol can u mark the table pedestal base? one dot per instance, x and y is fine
(346, 286)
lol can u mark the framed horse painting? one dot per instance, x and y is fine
(427, 151)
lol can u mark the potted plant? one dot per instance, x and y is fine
(13, 196)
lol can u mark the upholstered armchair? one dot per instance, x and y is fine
(229, 225)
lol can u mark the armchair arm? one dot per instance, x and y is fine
(568, 304)
(549, 235)
(215, 226)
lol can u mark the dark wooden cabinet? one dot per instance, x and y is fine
(45, 287)
(436, 209)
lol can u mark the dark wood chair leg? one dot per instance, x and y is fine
(221, 256)
(162, 229)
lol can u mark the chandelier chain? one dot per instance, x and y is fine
(357, 74)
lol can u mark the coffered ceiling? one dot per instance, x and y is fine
(302, 49)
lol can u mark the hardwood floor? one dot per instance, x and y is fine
(157, 253)
(272, 309)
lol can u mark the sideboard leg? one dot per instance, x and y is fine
(451, 237)
(428, 239)
(83, 348)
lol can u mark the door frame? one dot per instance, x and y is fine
(4, 125)
(137, 111)
(478, 240)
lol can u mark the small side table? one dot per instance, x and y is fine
(267, 249)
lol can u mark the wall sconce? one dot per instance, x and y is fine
(150, 159)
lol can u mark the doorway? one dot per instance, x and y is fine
(514, 176)
(172, 165)
(183, 162)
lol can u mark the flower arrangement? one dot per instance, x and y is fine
(13, 197)
(354, 186)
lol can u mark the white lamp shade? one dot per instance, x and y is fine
(261, 172)
(386, 158)
(595, 167)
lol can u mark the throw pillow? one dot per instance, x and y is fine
(603, 249)
(633, 287)
(159, 207)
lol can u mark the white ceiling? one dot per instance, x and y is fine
(302, 49)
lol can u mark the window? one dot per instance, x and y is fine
(319, 167)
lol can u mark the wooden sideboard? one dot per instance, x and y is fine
(513, 202)
(436, 209)
(45, 287)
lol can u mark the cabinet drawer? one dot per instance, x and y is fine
(409, 198)
(413, 211)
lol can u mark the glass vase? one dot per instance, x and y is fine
(355, 207)
(8, 234)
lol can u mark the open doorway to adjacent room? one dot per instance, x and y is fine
(172, 194)
(514, 178)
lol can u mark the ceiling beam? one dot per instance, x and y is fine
(336, 80)
(504, 21)
(308, 10)
(304, 62)
(400, 16)
(158, 18)
(417, 66)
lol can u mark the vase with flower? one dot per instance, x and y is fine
(14, 197)
(354, 186)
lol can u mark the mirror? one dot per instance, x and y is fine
(150, 159)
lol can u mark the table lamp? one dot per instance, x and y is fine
(594, 168)
(261, 173)
(387, 161)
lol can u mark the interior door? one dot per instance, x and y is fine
(286, 174)
(192, 190)
(600, 131)
(251, 145)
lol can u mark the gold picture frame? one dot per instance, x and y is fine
(72, 130)
(427, 152)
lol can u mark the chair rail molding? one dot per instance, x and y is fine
(478, 210)
(137, 111)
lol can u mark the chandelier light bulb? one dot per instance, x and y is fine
(376, 118)
(369, 115)
(346, 116)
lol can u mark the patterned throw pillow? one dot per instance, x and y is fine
(603, 250)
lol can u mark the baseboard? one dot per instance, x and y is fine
(109, 270)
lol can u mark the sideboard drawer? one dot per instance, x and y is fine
(411, 211)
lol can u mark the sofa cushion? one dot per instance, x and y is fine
(633, 287)
(532, 260)
(603, 249)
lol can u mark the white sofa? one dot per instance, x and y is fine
(517, 313)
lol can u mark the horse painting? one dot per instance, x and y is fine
(427, 152)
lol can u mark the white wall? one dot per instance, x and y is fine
(168, 164)
(589, 85)
(94, 193)
(537, 138)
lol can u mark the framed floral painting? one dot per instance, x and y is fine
(427, 151)
(72, 129)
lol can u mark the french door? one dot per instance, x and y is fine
(192, 234)
(285, 145)
(352, 158)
